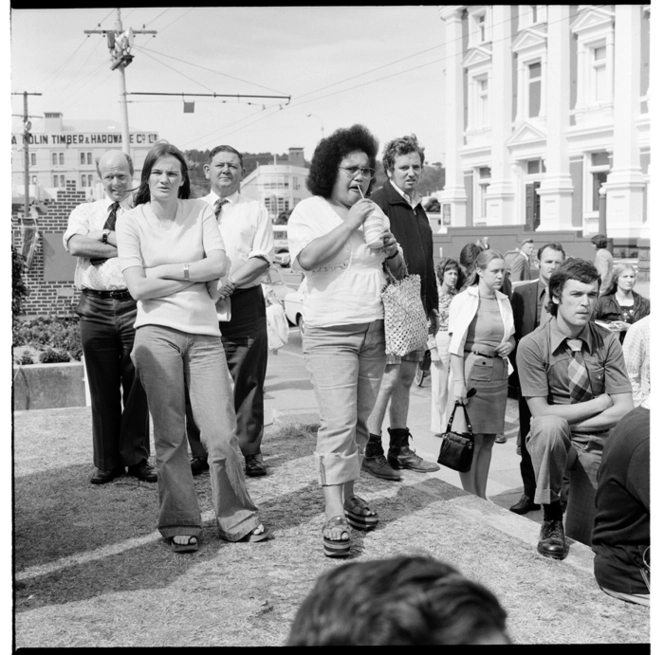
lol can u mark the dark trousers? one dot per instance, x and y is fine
(244, 338)
(120, 418)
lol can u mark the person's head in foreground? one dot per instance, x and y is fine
(401, 601)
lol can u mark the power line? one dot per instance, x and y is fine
(143, 50)
(178, 19)
(297, 103)
(158, 17)
(62, 66)
(73, 78)
(211, 70)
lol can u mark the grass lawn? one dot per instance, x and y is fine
(91, 570)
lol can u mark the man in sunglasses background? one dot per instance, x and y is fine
(400, 200)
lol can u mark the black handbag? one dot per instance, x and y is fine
(456, 451)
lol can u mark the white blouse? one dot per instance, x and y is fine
(346, 289)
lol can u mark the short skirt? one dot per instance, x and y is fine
(486, 409)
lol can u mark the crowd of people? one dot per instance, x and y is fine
(173, 320)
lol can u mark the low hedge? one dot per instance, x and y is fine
(51, 340)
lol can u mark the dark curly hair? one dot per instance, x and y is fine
(331, 150)
(161, 149)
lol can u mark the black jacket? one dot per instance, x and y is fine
(412, 230)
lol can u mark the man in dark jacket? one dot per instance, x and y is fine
(401, 202)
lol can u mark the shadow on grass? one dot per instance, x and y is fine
(59, 514)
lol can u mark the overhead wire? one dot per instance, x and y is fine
(143, 50)
(162, 29)
(211, 70)
(158, 17)
(296, 102)
(73, 78)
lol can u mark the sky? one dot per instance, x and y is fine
(343, 65)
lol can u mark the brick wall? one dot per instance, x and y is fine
(45, 298)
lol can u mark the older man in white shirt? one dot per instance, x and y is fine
(247, 233)
(120, 419)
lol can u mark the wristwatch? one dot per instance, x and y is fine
(104, 235)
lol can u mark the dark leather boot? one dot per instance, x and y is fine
(374, 461)
(400, 456)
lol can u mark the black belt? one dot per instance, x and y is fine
(119, 294)
(477, 352)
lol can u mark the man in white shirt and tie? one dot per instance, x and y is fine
(247, 233)
(120, 428)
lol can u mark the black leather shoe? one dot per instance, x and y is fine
(524, 505)
(254, 466)
(102, 477)
(143, 471)
(379, 468)
(199, 465)
(552, 540)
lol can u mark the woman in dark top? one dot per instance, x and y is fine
(621, 306)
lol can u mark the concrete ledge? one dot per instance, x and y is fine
(46, 386)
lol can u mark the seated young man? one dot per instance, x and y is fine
(573, 377)
(621, 536)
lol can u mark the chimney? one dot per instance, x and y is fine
(52, 121)
(296, 157)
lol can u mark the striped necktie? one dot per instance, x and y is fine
(219, 207)
(579, 383)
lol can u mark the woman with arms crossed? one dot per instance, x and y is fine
(170, 248)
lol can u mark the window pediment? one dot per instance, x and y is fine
(478, 56)
(592, 19)
(530, 39)
(525, 134)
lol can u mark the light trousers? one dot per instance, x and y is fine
(169, 363)
(440, 383)
(554, 450)
(346, 364)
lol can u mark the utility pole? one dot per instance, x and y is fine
(119, 45)
(27, 126)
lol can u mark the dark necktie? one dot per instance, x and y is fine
(219, 207)
(579, 383)
(112, 217)
(108, 225)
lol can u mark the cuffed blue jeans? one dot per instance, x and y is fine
(346, 364)
(168, 363)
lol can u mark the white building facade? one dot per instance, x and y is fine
(544, 106)
(61, 152)
(278, 186)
